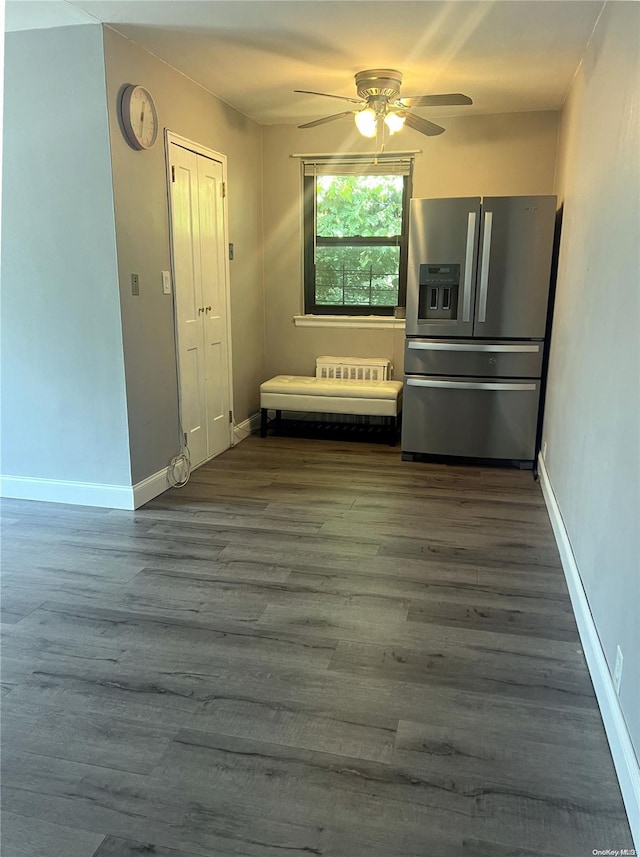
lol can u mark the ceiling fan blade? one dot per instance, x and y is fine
(436, 100)
(329, 95)
(327, 119)
(421, 125)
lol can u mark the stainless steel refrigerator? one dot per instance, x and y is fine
(477, 301)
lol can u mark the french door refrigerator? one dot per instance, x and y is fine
(477, 301)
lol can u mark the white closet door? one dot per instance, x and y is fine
(188, 300)
(212, 249)
(197, 224)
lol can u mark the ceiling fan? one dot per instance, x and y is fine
(380, 104)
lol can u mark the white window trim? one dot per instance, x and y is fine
(361, 322)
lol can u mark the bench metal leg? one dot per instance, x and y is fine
(393, 431)
(263, 422)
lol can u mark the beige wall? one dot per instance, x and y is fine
(500, 155)
(63, 382)
(142, 232)
(592, 421)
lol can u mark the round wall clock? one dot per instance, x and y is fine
(139, 117)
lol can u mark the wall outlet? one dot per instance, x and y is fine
(617, 672)
(135, 284)
(166, 282)
(544, 450)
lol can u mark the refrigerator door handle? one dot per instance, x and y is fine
(473, 346)
(468, 266)
(467, 385)
(484, 269)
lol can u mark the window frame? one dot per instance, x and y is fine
(311, 240)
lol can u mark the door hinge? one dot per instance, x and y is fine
(224, 189)
(173, 173)
(230, 416)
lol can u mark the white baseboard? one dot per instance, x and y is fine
(150, 488)
(624, 757)
(249, 426)
(63, 491)
(85, 493)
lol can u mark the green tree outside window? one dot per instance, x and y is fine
(358, 239)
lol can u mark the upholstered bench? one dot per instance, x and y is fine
(322, 395)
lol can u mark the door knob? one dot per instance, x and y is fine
(208, 309)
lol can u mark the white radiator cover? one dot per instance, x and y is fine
(354, 368)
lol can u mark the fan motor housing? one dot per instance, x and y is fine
(384, 82)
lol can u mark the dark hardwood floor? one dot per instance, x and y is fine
(311, 649)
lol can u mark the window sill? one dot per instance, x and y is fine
(362, 322)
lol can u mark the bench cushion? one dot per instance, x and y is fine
(307, 385)
(327, 395)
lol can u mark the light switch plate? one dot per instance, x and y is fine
(166, 282)
(135, 284)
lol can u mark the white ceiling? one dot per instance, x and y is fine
(508, 56)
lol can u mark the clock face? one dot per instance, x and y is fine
(139, 117)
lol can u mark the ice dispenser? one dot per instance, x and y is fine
(439, 286)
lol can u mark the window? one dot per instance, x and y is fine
(355, 243)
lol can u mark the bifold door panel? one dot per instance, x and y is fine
(198, 249)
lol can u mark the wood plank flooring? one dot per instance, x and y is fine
(313, 648)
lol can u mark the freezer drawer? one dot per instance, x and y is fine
(475, 417)
(495, 359)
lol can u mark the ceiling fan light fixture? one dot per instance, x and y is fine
(367, 122)
(380, 105)
(394, 122)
